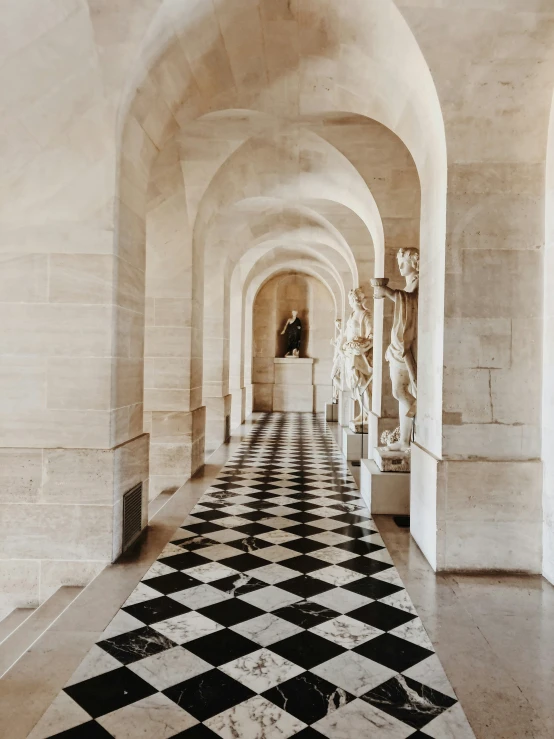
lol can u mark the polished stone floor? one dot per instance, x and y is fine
(275, 611)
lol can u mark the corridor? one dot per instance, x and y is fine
(275, 611)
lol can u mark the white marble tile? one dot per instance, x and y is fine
(329, 537)
(169, 668)
(256, 718)
(273, 573)
(226, 535)
(63, 714)
(430, 672)
(354, 673)
(391, 576)
(283, 500)
(276, 553)
(341, 600)
(188, 626)
(200, 596)
(381, 556)
(266, 629)
(278, 522)
(325, 511)
(360, 719)
(336, 575)
(235, 510)
(155, 717)
(280, 510)
(97, 662)
(333, 555)
(400, 600)
(277, 536)
(210, 572)
(181, 533)
(373, 539)
(170, 549)
(270, 598)
(120, 624)
(232, 522)
(140, 594)
(261, 670)
(414, 632)
(158, 569)
(219, 551)
(346, 632)
(452, 724)
(328, 524)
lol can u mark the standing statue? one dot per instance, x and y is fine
(293, 330)
(357, 351)
(338, 359)
(402, 352)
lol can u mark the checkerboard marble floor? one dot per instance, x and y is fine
(275, 611)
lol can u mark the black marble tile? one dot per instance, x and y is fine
(393, 652)
(303, 517)
(204, 528)
(365, 565)
(306, 649)
(303, 546)
(231, 612)
(409, 701)
(358, 547)
(221, 647)
(372, 588)
(244, 562)
(381, 616)
(137, 644)
(238, 584)
(172, 583)
(184, 561)
(210, 515)
(88, 730)
(305, 586)
(308, 697)
(200, 731)
(195, 543)
(306, 613)
(157, 609)
(306, 564)
(208, 694)
(251, 529)
(309, 733)
(108, 692)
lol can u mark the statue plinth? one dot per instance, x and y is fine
(391, 461)
(358, 428)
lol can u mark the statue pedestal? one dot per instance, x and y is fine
(384, 492)
(388, 461)
(352, 445)
(358, 428)
(294, 385)
(331, 412)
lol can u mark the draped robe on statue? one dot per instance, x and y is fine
(357, 348)
(403, 347)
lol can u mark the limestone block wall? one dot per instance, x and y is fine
(272, 306)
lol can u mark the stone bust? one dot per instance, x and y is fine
(293, 331)
(402, 352)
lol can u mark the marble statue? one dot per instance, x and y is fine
(402, 352)
(357, 351)
(338, 360)
(293, 330)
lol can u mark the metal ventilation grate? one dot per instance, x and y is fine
(132, 515)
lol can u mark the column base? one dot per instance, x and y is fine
(176, 448)
(331, 412)
(384, 492)
(218, 421)
(477, 515)
(354, 446)
(62, 517)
